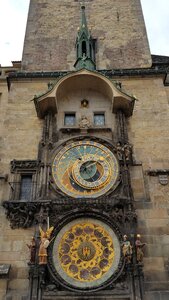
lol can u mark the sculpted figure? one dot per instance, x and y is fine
(44, 243)
(119, 151)
(127, 249)
(84, 122)
(139, 249)
(32, 248)
(127, 151)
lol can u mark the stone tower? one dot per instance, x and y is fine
(84, 157)
(117, 26)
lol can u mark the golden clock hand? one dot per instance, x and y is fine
(92, 164)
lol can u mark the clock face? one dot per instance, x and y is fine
(85, 169)
(86, 253)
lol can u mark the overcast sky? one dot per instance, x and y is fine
(13, 16)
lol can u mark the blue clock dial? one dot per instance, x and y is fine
(85, 169)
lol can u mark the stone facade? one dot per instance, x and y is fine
(46, 49)
(20, 135)
(22, 131)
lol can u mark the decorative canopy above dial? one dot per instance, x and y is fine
(85, 169)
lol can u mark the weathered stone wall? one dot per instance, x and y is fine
(148, 132)
(20, 127)
(117, 25)
(149, 135)
(20, 131)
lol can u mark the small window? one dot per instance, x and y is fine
(26, 187)
(70, 119)
(84, 50)
(99, 119)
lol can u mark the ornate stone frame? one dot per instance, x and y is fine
(19, 168)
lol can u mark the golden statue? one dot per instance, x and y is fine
(44, 243)
(127, 249)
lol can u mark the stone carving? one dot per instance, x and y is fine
(162, 174)
(84, 123)
(163, 179)
(23, 164)
(25, 214)
(127, 250)
(32, 248)
(118, 214)
(139, 249)
(20, 214)
(131, 217)
(127, 149)
(124, 151)
(119, 150)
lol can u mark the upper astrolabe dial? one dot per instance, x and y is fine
(85, 169)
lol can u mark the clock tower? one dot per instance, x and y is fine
(85, 150)
(79, 168)
(117, 29)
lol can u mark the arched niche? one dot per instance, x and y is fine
(84, 84)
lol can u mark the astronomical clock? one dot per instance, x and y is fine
(85, 252)
(85, 169)
(77, 194)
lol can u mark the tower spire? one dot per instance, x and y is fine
(85, 52)
(83, 18)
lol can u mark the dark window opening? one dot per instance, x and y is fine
(26, 187)
(91, 51)
(70, 119)
(84, 50)
(99, 119)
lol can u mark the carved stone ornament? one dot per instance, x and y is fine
(131, 217)
(24, 214)
(20, 214)
(163, 179)
(23, 165)
(161, 173)
(124, 151)
(84, 122)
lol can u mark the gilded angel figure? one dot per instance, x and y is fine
(44, 243)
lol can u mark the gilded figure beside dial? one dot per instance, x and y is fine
(85, 169)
